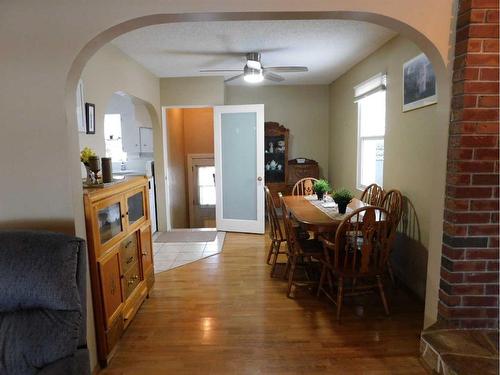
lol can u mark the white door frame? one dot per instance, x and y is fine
(191, 182)
(235, 225)
(164, 140)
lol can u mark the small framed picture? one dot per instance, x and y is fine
(419, 83)
(90, 117)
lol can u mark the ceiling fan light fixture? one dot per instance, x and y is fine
(253, 75)
(256, 77)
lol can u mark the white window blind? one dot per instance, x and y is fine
(370, 86)
(371, 100)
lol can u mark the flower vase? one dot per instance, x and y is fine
(90, 176)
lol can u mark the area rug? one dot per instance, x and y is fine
(187, 236)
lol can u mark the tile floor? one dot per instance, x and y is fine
(172, 255)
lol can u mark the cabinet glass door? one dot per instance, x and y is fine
(136, 201)
(135, 207)
(109, 220)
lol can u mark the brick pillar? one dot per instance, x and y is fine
(469, 265)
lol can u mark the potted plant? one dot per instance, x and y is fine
(342, 197)
(321, 187)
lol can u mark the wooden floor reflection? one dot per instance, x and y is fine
(224, 315)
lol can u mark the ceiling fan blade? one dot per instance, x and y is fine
(287, 69)
(234, 77)
(220, 70)
(273, 77)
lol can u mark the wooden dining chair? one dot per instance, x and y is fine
(393, 203)
(298, 249)
(275, 231)
(304, 186)
(362, 259)
(373, 194)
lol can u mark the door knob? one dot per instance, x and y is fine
(259, 178)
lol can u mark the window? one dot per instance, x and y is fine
(370, 96)
(206, 185)
(113, 137)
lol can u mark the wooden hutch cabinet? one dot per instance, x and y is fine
(276, 159)
(301, 168)
(120, 245)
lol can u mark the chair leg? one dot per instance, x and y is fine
(276, 250)
(321, 280)
(340, 296)
(382, 294)
(330, 282)
(391, 274)
(270, 253)
(290, 275)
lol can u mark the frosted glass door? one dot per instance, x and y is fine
(239, 152)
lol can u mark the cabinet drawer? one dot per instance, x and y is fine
(131, 279)
(129, 252)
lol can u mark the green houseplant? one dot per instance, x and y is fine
(342, 197)
(321, 187)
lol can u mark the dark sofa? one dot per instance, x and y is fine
(42, 304)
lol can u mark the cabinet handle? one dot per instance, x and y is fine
(131, 281)
(128, 244)
(123, 216)
(129, 260)
(144, 253)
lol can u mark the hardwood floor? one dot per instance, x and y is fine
(224, 315)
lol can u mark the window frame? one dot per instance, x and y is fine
(197, 186)
(381, 78)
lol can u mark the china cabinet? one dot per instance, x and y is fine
(275, 158)
(120, 246)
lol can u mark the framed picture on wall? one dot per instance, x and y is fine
(419, 83)
(90, 117)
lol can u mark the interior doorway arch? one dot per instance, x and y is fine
(440, 66)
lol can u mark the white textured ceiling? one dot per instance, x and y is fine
(328, 47)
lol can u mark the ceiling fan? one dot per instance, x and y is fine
(254, 72)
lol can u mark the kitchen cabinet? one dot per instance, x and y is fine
(146, 139)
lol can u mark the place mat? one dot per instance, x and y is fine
(332, 212)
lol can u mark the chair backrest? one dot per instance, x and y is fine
(274, 224)
(361, 242)
(393, 204)
(287, 221)
(373, 194)
(304, 186)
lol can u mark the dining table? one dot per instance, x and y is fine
(316, 215)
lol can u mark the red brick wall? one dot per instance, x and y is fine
(469, 264)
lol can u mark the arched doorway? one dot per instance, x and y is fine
(424, 44)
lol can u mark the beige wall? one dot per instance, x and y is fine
(45, 47)
(302, 109)
(414, 161)
(192, 91)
